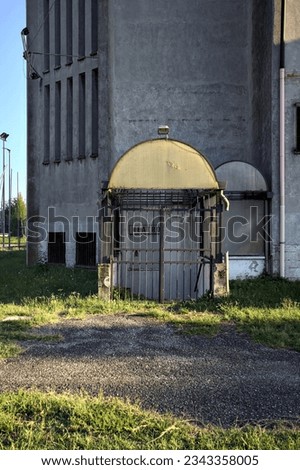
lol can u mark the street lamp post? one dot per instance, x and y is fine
(9, 198)
(3, 137)
(18, 213)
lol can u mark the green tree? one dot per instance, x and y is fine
(18, 216)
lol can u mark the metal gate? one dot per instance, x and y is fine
(163, 244)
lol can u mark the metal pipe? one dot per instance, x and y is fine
(282, 143)
(226, 200)
(161, 258)
(267, 237)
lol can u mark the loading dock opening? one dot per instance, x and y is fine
(247, 225)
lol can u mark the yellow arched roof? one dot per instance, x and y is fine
(163, 164)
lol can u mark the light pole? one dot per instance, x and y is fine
(18, 212)
(3, 137)
(9, 197)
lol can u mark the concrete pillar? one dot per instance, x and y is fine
(104, 281)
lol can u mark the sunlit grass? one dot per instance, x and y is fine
(34, 420)
(266, 309)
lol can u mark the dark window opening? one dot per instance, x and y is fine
(94, 26)
(57, 121)
(69, 32)
(46, 36)
(85, 249)
(297, 148)
(69, 119)
(95, 113)
(81, 29)
(46, 158)
(81, 133)
(56, 247)
(57, 33)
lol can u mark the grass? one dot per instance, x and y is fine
(35, 420)
(14, 241)
(266, 309)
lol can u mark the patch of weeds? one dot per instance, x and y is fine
(12, 331)
(9, 349)
(43, 338)
(202, 323)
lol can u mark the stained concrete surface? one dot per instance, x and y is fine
(224, 380)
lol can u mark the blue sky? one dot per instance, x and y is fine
(13, 90)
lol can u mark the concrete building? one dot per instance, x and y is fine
(104, 75)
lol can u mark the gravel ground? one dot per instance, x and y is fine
(224, 380)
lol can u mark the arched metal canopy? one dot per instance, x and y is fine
(163, 164)
(241, 176)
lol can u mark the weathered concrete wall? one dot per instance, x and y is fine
(69, 186)
(185, 64)
(207, 68)
(274, 162)
(262, 28)
(292, 160)
(292, 163)
(33, 167)
(177, 63)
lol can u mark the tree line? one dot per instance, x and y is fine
(18, 213)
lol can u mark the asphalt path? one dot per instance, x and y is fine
(227, 379)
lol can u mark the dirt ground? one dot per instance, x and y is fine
(224, 380)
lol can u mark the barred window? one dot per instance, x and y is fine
(56, 247)
(85, 249)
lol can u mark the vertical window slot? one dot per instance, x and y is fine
(46, 36)
(81, 29)
(94, 27)
(95, 113)
(46, 158)
(57, 30)
(81, 132)
(69, 31)
(57, 122)
(69, 118)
